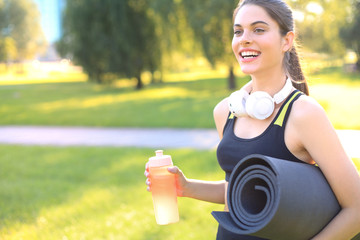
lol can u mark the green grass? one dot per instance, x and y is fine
(95, 193)
(339, 95)
(187, 103)
(176, 104)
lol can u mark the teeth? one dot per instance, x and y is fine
(249, 54)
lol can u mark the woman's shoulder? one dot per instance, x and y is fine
(307, 110)
(221, 108)
(221, 113)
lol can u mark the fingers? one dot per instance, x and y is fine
(148, 183)
(174, 170)
(147, 175)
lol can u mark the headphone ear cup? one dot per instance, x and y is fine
(237, 101)
(260, 105)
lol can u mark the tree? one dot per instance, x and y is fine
(110, 36)
(320, 24)
(21, 36)
(171, 30)
(211, 21)
(351, 34)
(8, 51)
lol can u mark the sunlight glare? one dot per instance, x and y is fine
(298, 15)
(314, 7)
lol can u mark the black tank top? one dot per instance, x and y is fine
(271, 142)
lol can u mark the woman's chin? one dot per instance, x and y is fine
(247, 70)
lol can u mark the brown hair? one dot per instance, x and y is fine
(282, 14)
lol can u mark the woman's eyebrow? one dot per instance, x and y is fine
(252, 24)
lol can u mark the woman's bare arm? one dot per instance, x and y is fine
(320, 140)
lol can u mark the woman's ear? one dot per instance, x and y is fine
(288, 41)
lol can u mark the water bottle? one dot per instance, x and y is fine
(163, 189)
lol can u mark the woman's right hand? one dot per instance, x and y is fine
(147, 175)
(180, 179)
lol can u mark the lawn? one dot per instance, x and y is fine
(339, 94)
(181, 104)
(176, 104)
(95, 193)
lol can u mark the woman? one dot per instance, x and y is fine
(263, 44)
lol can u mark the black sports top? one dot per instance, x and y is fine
(271, 142)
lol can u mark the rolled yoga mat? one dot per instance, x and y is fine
(277, 199)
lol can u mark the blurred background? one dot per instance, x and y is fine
(137, 64)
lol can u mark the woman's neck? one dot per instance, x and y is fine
(269, 82)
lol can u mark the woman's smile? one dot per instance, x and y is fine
(248, 55)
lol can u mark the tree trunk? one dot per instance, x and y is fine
(139, 84)
(231, 78)
(153, 79)
(161, 77)
(99, 79)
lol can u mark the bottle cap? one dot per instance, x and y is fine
(160, 159)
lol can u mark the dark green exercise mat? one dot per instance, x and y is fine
(277, 199)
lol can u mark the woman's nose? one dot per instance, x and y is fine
(245, 39)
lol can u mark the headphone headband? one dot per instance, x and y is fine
(284, 92)
(259, 104)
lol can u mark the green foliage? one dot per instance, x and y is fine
(211, 21)
(108, 36)
(320, 24)
(20, 32)
(8, 51)
(125, 38)
(350, 32)
(175, 37)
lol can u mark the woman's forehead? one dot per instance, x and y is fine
(249, 14)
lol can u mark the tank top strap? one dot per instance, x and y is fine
(285, 110)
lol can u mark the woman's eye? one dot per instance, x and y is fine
(259, 30)
(237, 32)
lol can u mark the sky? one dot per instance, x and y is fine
(50, 18)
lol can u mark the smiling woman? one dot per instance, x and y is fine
(265, 31)
(295, 129)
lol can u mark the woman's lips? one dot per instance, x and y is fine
(248, 55)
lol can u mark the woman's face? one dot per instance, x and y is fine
(257, 43)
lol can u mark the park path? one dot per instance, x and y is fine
(116, 137)
(157, 138)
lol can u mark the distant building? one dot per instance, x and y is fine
(51, 22)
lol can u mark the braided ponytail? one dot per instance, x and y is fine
(293, 69)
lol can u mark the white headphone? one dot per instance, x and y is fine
(259, 104)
